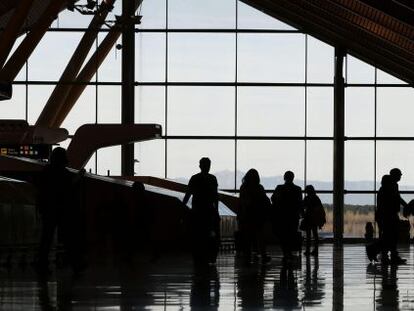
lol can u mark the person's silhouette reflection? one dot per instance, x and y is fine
(64, 294)
(205, 288)
(250, 285)
(43, 296)
(285, 291)
(313, 285)
(388, 296)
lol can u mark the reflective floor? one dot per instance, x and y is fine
(341, 279)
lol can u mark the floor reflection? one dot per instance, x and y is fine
(285, 292)
(314, 284)
(340, 279)
(205, 288)
(250, 282)
(386, 286)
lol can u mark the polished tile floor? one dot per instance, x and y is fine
(341, 279)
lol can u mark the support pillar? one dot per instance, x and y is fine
(339, 147)
(128, 80)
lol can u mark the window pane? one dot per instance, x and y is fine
(251, 18)
(319, 164)
(109, 161)
(359, 111)
(359, 209)
(359, 71)
(150, 105)
(271, 111)
(109, 104)
(153, 14)
(201, 14)
(399, 154)
(320, 111)
(37, 97)
(201, 57)
(83, 112)
(201, 110)
(320, 61)
(14, 108)
(151, 157)
(271, 58)
(69, 19)
(184, 155)
(48, 64)
(150, 57)
(359, 165)
(385, 78)
(110, 69)
(395, 111)
(272, 159)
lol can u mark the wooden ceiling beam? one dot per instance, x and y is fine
(312, 18)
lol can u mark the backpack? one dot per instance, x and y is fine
(319, 215)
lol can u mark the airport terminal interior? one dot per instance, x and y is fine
(132, 96)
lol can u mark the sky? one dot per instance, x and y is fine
(201, 110)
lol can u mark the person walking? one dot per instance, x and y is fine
(314, 219)
(254, 210)
(205, 219)
(388, 207)
(287, 205)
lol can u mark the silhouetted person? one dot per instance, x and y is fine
(392, 223)
(253, 213)
(314, 218)
(369, 232)
(396, 174)
(205, 219)
(287, 205)
(57, 209)
(388, 207)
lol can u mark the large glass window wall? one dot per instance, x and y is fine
(229, 82)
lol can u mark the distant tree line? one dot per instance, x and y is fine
(361, 209)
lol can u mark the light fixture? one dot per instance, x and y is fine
(90, 8)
